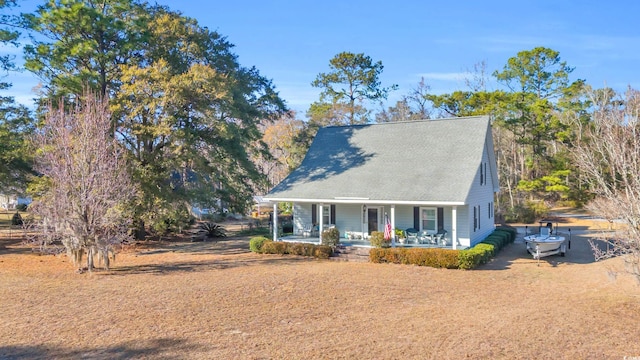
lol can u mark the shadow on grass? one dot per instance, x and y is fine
(578, 252)
(167, 268)
(223, 246)
(15, 245)
(152, 349)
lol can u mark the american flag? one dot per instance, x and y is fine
(387, 228)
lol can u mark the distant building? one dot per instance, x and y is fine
(10, 202)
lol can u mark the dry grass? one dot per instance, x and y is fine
(199, 300)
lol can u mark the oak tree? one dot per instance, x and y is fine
(16, 122)
(184, 108)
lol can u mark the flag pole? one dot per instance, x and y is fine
(388, 231)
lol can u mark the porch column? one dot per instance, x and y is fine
(362, 220)
(275, 221)
(454, 226)
(320, 224)
(393, 226)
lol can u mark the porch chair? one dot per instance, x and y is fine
(426, 237)
(315, 231)
(306, 231)
(441, 237)
(412, 235)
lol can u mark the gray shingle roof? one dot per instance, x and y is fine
(423, 161)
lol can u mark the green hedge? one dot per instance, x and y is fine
(477, 255)
(447, 258)
(510, 230)
(438, 258)
(302, 249)
(487, 248)
(256, 243)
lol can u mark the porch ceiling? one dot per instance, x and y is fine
(368, 201)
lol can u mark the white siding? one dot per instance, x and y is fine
(404, 216)
(463, 226)
(348, 218)
(480, 196)
(301, 216)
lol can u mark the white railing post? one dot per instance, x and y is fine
(275, 222)
(393, 226)
(454, 226)
(320, 222)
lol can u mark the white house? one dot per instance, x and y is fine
(427, 175)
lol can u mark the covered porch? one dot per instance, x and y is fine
(421, 225)
(316, 240)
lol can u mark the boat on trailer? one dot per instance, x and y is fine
(545, 242)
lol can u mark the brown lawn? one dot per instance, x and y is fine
(180, 300)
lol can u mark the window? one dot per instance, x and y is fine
(326, 215)
(485, 173)
(428, 219)
(475, 218)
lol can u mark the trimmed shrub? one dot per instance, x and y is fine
(274, 247)
(438, 258)
(377, 240)
(302, 249)
(255, 243)
(498, 239)
(297, 249)
(445, 258)
(322, 251)
(510, 230)
(488, 250)
(331, 237)
(386, 255)
(477, 255)
(470, 259)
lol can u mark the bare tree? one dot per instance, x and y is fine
(476, 79)
(608, 156)
(418, 100)
(414, 106)
(85, 180)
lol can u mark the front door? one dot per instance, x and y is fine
(372, 219)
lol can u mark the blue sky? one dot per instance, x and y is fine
(291, 42)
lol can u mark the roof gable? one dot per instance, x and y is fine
(427, 160)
